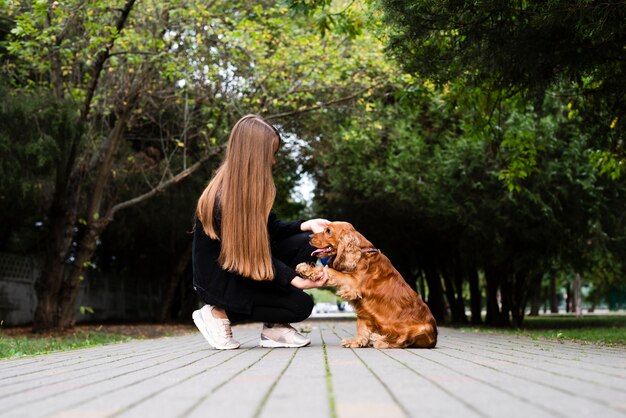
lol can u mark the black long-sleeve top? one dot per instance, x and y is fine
(229, 290)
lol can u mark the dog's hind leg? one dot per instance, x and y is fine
(422, 336)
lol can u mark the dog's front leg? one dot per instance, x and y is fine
(362, 338)
(346, 284)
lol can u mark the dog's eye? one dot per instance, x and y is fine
(327, 231)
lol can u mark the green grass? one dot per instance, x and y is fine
(323, 295)
(598, 329)
(18, 346)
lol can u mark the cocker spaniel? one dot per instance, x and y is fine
(389, 313)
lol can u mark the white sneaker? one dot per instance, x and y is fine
(282, 335)
(216, 331)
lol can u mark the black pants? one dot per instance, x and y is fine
(277, 304)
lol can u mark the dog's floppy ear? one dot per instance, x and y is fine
(348, 252)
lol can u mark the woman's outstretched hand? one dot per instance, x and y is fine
(314, 225)
(320, 281)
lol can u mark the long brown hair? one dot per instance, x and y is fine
(244, 188)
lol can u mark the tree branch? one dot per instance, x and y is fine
(112, 54)
(75, 172)
(101, 58)
(112, 144)
(320, 106)
(159, 188)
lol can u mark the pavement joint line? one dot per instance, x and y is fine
(329, 379)
(41, 359)
(471, 377)
(484, 370)
(527, 342)
(99, 381)
(397, 401)
(543, 370)
(221, 385)
(69, 355)
(66, 378)
(572, 347)
(153, 394)
(268, 393)
(66, 371)
(441, 387)
(17, 360)
(498, 388)
(542, 359)
(557, 388)
(384, 385)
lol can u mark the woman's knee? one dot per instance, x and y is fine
(304, 307)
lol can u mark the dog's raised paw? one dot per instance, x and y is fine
(306, 271)
(302, 268)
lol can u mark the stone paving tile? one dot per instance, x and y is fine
(468, 375)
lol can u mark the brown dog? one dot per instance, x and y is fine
(389, 313)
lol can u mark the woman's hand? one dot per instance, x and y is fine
(314, 225)
(319, 281)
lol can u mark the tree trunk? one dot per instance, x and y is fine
(535, 306)
(435, 294)
(95, 225)
(421, 284)
(518, 295)
(568, 296)
(57, 288)
(48, 285)
(506, 294)
(554, 302)
(493, 308)
(577, 295)
(475, 296)
(71, 286)
(170, 287)
(594, 301)
(458, 285)
(536, 299)
(451, 298)
(64, 208)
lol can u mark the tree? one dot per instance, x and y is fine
(420, 172)
(528, 46)
(507, 160)
(156, 87)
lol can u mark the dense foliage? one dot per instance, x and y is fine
(152, 89)
(497, 161)
(483, 152)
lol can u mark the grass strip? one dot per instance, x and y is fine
(15, 347)
(329, 381)
(606, 330)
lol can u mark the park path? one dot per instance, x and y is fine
(468, 375)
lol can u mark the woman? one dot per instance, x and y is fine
(243, 256)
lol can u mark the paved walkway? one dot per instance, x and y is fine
(467, 375)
